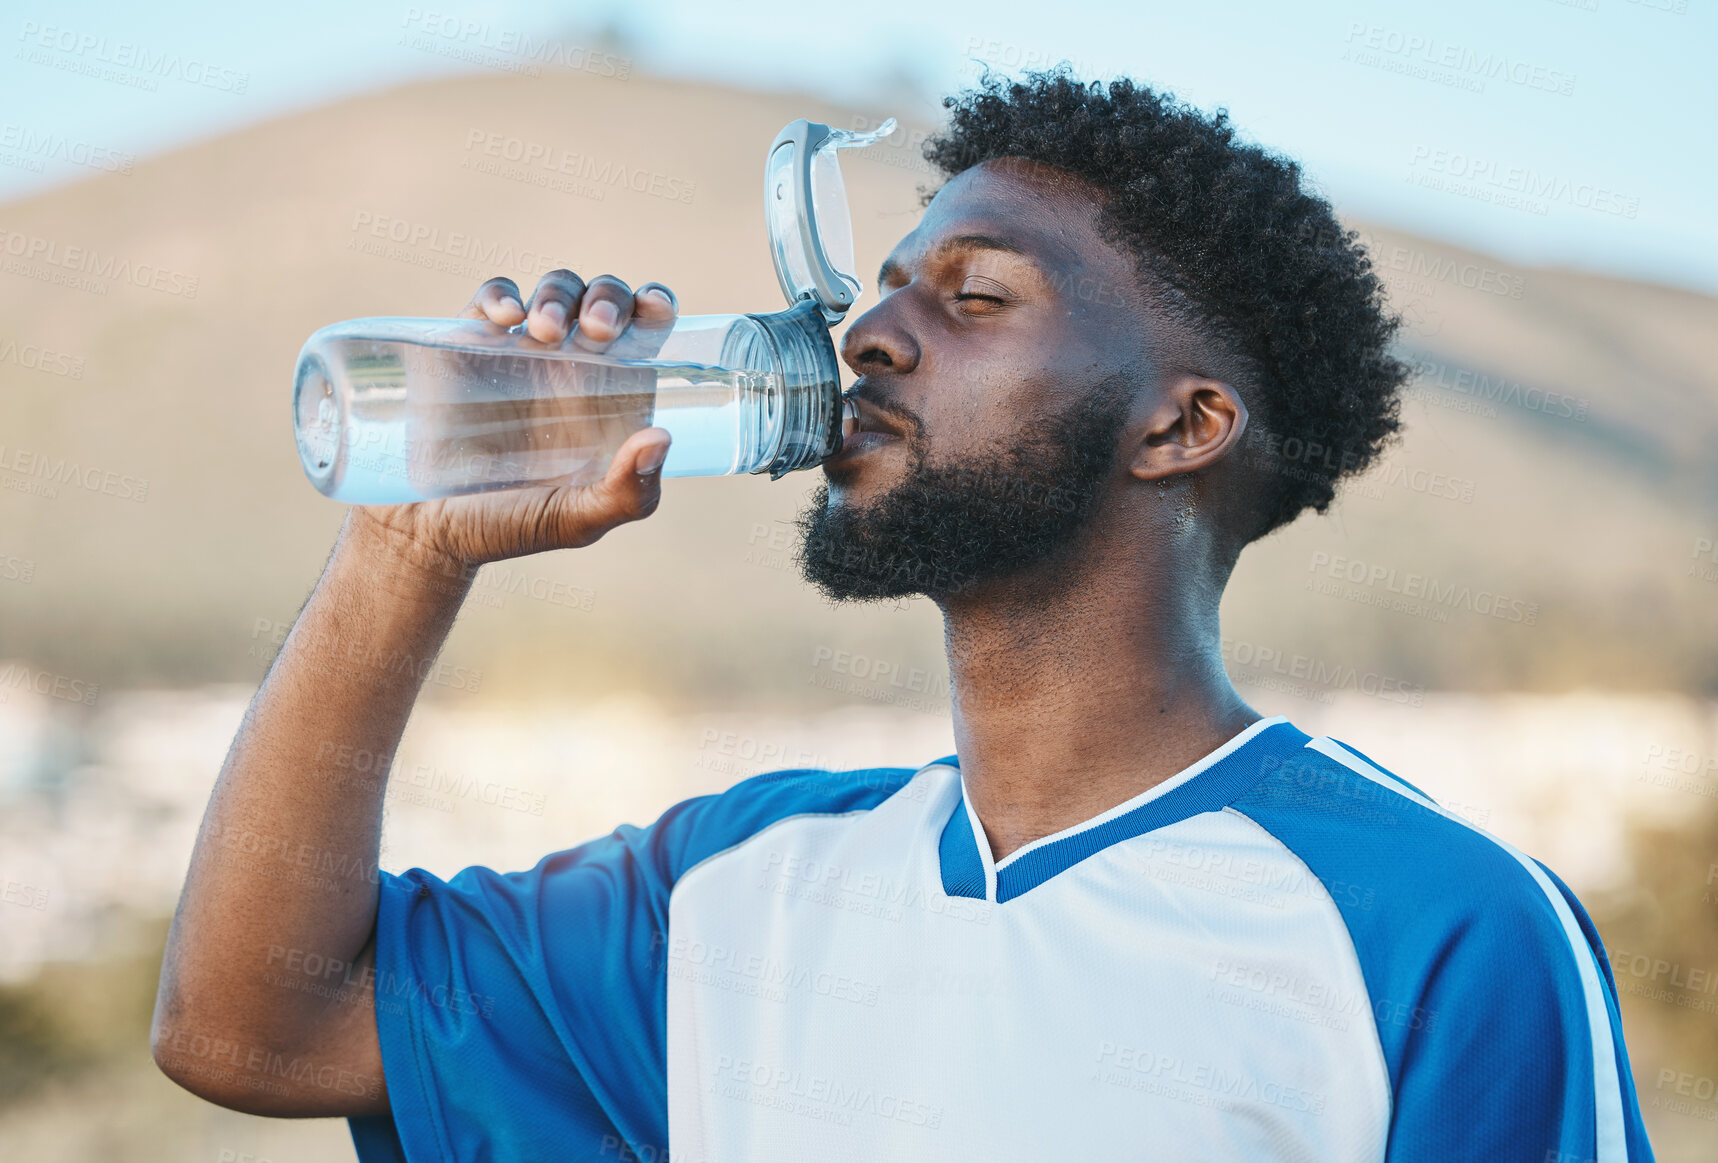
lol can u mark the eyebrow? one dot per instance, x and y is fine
(959, 242)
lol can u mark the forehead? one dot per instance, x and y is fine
(1049, 213)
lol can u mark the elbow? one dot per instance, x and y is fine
(190, 1059)
(211, 1065)
(170, 1057)
(186, 1037)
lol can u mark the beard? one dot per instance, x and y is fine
(948, 527)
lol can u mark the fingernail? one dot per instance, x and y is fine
(666, 299)
(651, 459)
(555, 312)
(605, 313)
(512, 301)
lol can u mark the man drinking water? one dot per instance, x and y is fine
(1130, 918)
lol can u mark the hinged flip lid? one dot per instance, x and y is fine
(810, 226)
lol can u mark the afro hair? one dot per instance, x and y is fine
(1231, 244)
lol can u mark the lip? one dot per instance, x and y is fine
(864, 428)
(861, 442)
(858, 444)
(862, 416)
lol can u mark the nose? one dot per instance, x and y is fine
(879, 341)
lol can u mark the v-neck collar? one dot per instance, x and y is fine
(1205, 786)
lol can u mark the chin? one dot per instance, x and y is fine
(854, 484)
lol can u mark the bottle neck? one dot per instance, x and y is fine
(811, 388)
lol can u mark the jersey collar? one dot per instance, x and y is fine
(1206, 786)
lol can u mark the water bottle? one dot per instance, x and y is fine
(392, 410)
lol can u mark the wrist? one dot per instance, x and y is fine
(392, 557)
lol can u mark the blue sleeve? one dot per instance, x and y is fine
(1497, 1056)
(1634, 1126)
(522, 1016)
(1479, 994)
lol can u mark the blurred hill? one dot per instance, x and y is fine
(1557, 464)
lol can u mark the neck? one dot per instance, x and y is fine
(1074, 694)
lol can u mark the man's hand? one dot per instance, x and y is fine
(344, 683)
(457, 533)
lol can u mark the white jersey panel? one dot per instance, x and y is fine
(827, 1000)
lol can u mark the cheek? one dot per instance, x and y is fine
(989, 362)
(983, 387)
(956, 423)
(986, 398)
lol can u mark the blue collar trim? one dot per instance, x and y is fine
(1209, 791)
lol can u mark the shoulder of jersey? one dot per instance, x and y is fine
(728, 818)
(1330, 801)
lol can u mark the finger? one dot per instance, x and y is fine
(629, 491)
(497, 301)
(606, 309)
(654, 303)
(641, 455)
(553, 305)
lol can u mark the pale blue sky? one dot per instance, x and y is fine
(1599, 113)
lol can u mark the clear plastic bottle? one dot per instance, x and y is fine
(392, 410)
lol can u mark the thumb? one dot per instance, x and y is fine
(629, 491)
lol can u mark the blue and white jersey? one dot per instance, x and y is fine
(1281, 953)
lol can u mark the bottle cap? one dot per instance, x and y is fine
(810, 226)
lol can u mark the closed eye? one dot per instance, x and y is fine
(978, 288)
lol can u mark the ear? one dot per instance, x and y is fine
(1192, 423)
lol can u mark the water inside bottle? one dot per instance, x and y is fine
(427, 420)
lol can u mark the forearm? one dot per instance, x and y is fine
(266, 1002)
(285, 865)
